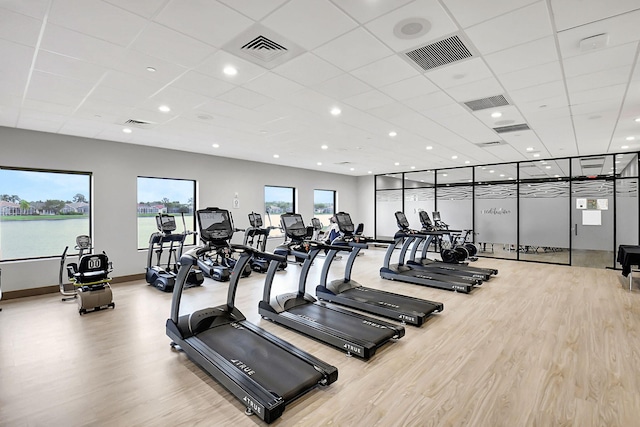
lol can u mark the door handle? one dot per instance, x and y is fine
(575, 227)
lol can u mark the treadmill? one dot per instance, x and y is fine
(460, 268)
(349, 293)
(263, 371)
(355, 333)
(417, 274)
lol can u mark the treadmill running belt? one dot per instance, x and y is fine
(269, 365)
(387, 300)
(351, 325)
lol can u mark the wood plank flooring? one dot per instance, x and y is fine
(538, 345)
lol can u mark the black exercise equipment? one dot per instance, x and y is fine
(351, 294)
(457, 248)
(256, 237)
(161, 276)
(354, 333)
(83, 246)
(263, 371)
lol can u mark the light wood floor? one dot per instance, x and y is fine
(538, 345)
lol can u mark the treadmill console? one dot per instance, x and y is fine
(425, 220)
(317, 225)
(293, 226)
(215, 224)
(344, 223)
(255, 220)
(402, 221)
(165, 223)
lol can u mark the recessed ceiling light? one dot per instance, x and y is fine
(491, 171)
(556, 176)
(215, 145)
(529, 148)
(454, 157)
(276, 156)
(369, 172)
(469, 180)
(496, 114)
(429, 147)
(230, 70)
(397, 163)
(352, 169)
(637, 120)
(630, 138)
(536, 154)
(466, 162)
(624, 147)
(444, 174)
(547, 167)
(324, 147)
(511, 177)
(319, 163)
(393, 133)
(336, 111)
(618, 162)
(127, 130)
(151, 69)
(413, 167)
(483, 168)
(164, 108)
(502, 175)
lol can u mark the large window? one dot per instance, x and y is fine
(277, 200)
(164, 195)
(41, 212)
(324, 205)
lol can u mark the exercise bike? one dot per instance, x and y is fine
(163, 277)
(83, 246)
(456, 248)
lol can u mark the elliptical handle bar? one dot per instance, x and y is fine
(266, 255)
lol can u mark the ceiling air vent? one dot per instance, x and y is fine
(263, 46)
(490, 144)
(512, 128)
(440, 53)
(138, 124)
(489, 102)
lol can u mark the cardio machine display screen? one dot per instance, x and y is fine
(402, 219)
(166, 223)
(425, 220)
(255, 219)
(215, 225)
(344, 222)
(294, 225)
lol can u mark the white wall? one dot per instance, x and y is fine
(116, 166)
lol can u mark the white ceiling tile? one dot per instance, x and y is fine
(429, 101)
(14, 67)
(40, 106)
(194, 18)
(409, 88)
(444, 111)
(245, 98)
(385, 71)
(574, 13)
(56, 89)
(343, 86)
(273, 86)
(468, 127)
(136, 63)
(353, 50)
(215, 64)
(123, 97)
(368, 100)
(172, 46)
(97, 19)
(509, 112)
(80, 46)
(469, 13)
(366, 10)
(144, 8)
(388, 111)
(541, 51)
(523, 25)
(599, 94)
(598, 109)
(309, 22)
(459, 73)
(532, 76)
(599, 79)
(19, 28)
(539, 92)
(599, 60)
(65, 66)
(202, 84)
(430, 10)
(34, 8)
(307, 69)
(255, 10)
(476, 90)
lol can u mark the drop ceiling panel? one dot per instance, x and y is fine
(172, 46)
(470, 13)
(574, 13)
(215, 64)
(476, 90)
(144, 8)
(293, 20)
(200, 83)
(255, 10)
(33, 8)
(523, 56)
(429, 101)
(441, 24)
(343, 86)
(539, 92)
(599, 94)
(97, 19)
(469, 127)
(273, 86)
(57, 90)
(353, 50)
(245, 98)
(368, 100)
(19, 28)
(385, 71)
(409, 88)
(14, 67)
(308, 69)
(532, 76)
(366, 10)
(459, 73)
(194, 19)
(600, 60)
(523, 25)
(69, 67)
(136, 63)
(80, 46)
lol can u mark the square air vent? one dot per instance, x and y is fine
(262, 46)
(488, 102)
(490, 144)
(440, 53)
(141, 124)
(512, 128)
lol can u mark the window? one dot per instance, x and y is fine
(41, 212)
(277, 200)
(164, 195)
(324, 205)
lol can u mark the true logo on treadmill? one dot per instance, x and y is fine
(251, 404)
(375, 325)
(386, 304)
(243, 367)
(458, 288)
(407, 318)
(307, 317)
(352, 348)
(237, 326)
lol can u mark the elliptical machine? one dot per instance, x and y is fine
(456, 249)
(164, 278)
(256, 237)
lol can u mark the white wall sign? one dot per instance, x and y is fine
(603, 204)
(591, 217)
(581, 203)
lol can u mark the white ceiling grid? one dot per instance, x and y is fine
(80, 67)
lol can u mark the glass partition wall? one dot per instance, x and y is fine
(572, 211)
